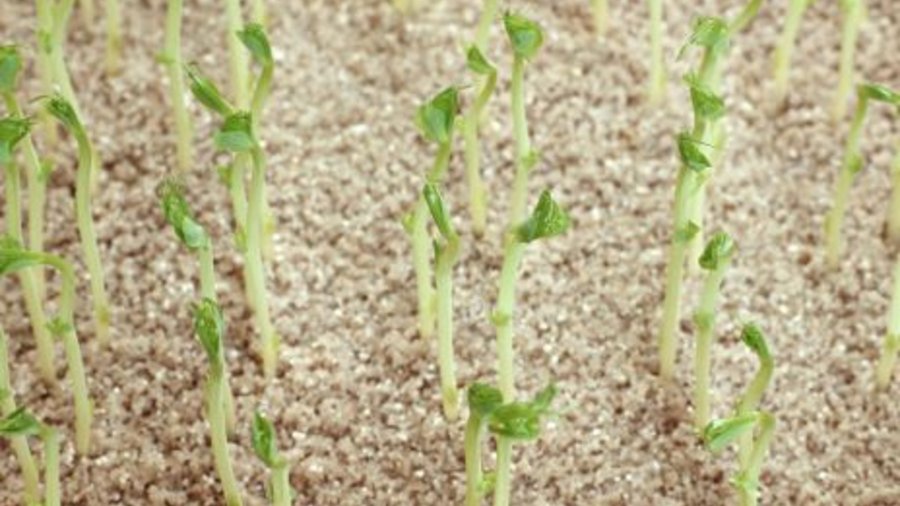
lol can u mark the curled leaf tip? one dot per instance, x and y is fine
(720, 433)
(717, 252)
(178, 214)
(435, 118)
(206, 92)
(709, 33)
(879, 93)
(12, 130)
(547, 220)
(753, 338)
(522, 420)
(525, 35)
(254, 38)
(264, 440)
(477, 62)
(62, 110)
(438, 210)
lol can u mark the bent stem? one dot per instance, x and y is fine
(656, 87)
(892, 339)
(853, 14)
(174, 64)
(785, 48)
(113, 37)
(748, 478)
(30, 477)
(257, 278)
(752, 395)
(850, 166)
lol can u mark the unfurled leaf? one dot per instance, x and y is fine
(522, 420)
(179, 215)
(690, 153)
(12, 130)
(19, 423)
(720, 433)
(10, 66)
(706, 104)
(62, 110)
(435, 118)
(206, 92)
(236, 134)
(438, 210)
(525, 35)
(483, 399)
(477, 62)
(754, 339)
(879, 93)
(209, 325)
(254, 38)
(547, 220)
(718, 250)
(264, 441)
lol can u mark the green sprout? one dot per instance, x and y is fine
(852, 164)
(65, 113)
(715, 260)
(854, 11)
(446, 251)
(483, 30)
(516, 422)
(656, 87)
(600, 11)
(892, 339)
(173, 61)
(19, 425)
(13, 258)
(483, 400)
(113, 37)
(209, 326)
(479, 65)
(19, 443)
(754, 339)
(265, 446)
(435, 120)
(784, 50)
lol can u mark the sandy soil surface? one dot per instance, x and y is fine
(356, 400)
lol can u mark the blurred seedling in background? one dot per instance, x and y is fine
(483, 400)
(113, 37)
(656, 86)
(265, 445)
(784, 49)
(487, 74)
(171, 58)
(30, 476)
(854, 12)
(19, 425)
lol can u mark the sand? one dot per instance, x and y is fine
(356, 400)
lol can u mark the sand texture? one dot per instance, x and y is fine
(356, 400)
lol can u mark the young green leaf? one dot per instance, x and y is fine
(718, 250)
(254, 38)
(10, 66)
(720, 433)
(209, 325)
(477, 62)
(525, 35)
(12, 130)
(62, 110)
(483, 399)
(753, 337)
(879, 93)
(547, 220)
(709, 33)
(522, 420)
(686, 233)
(236, 134)
(14, 258)
(435, 118)
(179, 215)
(691, 155)
(19, 423)
(438, 210)
(206, 92)
(264, 441)
(59, 326)
(706, 104)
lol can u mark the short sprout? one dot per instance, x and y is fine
(206, 92)
(436, 118)
(547, 220)
(524, 34)
(718, 250)
(10, 66)
(754, 339)
(179, 215)
(236, 134)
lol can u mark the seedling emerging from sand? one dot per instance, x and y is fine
(656, 87)
(487, 73)
(113, 36)
(173, 61)
(265, 445)
(784, 50)
(435, 120)
(892, 338)
(62, 110)
(13, 258)
(715, 260)
(516, 422)
(854, 12)
(210, 329)
(19, 443)
(446, 252)
(19, 425)
(600, 11)
(12, 131)
(852, 164)
(483, 400)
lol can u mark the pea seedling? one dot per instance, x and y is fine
(62, 110)
(12, 132)
(483, 400)
(784, 50)
(480, 66)
(715, 260)
(446, 253)
(656, 87)
(173, 61)
(19, 443)
(600, 10)
(19, 425)
(210, 329)
(13, 258)
(851, 165)
(854, 12)
(435, 120)
(265, 445)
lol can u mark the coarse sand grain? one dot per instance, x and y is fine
(356, 400)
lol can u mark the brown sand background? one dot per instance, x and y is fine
(357, 400)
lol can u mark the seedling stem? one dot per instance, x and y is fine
(854, 12)
(113, 37)
(174, 64)
(785, 47)
(892, 338)
(656, 88)
(30, 476)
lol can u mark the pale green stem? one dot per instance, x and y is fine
(750, 401)
(852, 19)
(785, 48)
(504, 316)
(257, 277)
(483, 31)
(30, 477)
(174, 65)
(892, 339)
(656, 88)
(113, 36)
(504, 472)
(260, 95)
(281, 485)
(43, 34)
(894, 212)
(600, 10)
(50, 437)
(472, 155)
(523, 144)
(206, 259)
(751, 470)
(238, 189)
(444, 299)
(237, 55)
(474, 473)
(12, 211)
(705, 320)
(258, 12)
(89, 238)
(215, 408)
(746, 16)
(835, 219)
(60, 22)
